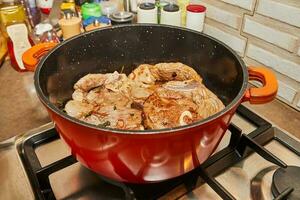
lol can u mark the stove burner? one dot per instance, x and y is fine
(257, 183)
(284, 178)
(240, 146)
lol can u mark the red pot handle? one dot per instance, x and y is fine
(32, 56)
(267, 92)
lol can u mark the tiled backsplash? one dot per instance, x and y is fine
(263, 33)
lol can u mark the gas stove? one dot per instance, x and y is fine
(254, 160)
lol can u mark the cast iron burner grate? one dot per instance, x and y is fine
(215, 165)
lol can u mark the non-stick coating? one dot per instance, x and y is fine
(124, 48)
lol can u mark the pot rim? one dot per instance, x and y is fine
(59, 112)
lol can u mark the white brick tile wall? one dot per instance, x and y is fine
(280, 10)
(270, 34)
(223, 13)
(286, 92)
(277, 62)
(265, 33)
(247, 4)
(234, 40)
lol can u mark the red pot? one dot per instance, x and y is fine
(150, 155)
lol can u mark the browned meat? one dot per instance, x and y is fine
(158, 96)
(177, 103)
(120, 118)
(146, 78)
(161, 112)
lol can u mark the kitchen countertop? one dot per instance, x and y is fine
(21, 110)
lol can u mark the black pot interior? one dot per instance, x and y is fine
(124, 48)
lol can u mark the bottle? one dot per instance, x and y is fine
(78, 4)
(45, 6)
(3, 48)
(33, 13)
(15, 29)
(182, 5)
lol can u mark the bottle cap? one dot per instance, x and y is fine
(196, 8)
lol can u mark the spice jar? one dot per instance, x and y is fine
(70, 26)
(147, 13)
(195, 17)
(171, 15)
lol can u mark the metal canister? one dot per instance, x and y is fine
(122, 18)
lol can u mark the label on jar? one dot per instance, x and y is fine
(18, 34)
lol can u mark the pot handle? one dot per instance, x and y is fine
(32, 56)
(267, 92)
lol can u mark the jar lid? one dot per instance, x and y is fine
(42, 28)
(147, 6)
(122, 16)
(171, 8)
(196, 8)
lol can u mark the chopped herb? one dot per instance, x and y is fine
(89, 114)
(122, 69)
(60, 104)
(104, 125)
(115, 107)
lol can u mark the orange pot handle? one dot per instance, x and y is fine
(32, 56)
(267, 92)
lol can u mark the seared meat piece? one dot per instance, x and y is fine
(174, 71)
(146, 78)
(168, 108)
(149, 74)
(78, 109)
(207, 102)
(105, 97)
(178, 103)
(120, 118)
(91, 81)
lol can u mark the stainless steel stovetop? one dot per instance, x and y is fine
(54, 174)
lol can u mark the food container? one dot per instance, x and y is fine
(108, 7)
(147, 13)
(70, 26)
(195, 17)
(90, 10)
(171, 15)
